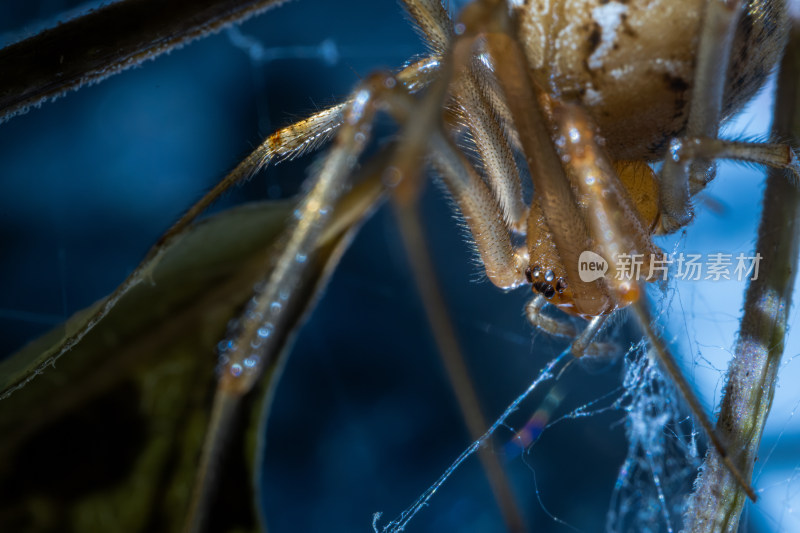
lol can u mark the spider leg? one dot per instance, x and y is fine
(432, 21)
(705, 111)
(583, 343)
(255, 338)
(295, 140)
(477, 111)
(482, 213)
(689, 167)
(607, 227)
(776, 155)
(288, 142)
(499, 166)
(551, 326)
(683, 152)
(605, 219)
(504, 265)
(422, 133)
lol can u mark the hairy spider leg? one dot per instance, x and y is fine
(689, 167)
(294, 140)
(718, 28)
(490, 19)
(477, 111)
(422, 135)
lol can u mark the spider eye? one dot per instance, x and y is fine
(549, 291)
(544, 288)
(561, 285)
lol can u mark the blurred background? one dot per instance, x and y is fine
(364, 419)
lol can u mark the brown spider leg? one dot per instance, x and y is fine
(775, 155)
(705, 112)
(433, 22)
(504, 265)
(295, 140)
(494, 94)
(254, 338)
(499, 167)
(550, 325)
(614, 224)
(667, 359)
(583, 343)
(585, 340)
(420, 135)
(614, 230)
(490, 19)
(288, 142)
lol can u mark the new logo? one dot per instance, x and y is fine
(591, 266)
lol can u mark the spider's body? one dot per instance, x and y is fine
(633, 73)
(631, 63)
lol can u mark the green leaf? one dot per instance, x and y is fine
(108, 438)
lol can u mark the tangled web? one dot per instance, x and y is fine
(662, 459)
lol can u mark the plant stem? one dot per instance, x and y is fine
(106, 41)
(752, 376)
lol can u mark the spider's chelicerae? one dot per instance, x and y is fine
(575, 101)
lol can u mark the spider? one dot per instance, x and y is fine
(559, 284)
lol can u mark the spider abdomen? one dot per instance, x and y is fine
(631, 62)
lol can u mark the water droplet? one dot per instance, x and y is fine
(275, 307)
(236, 370)
(252, 316)
(675, 148)
(265, 331)
(251, 361)
(300, 258)
(224, 345)
(391, 176)
(574, 135)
